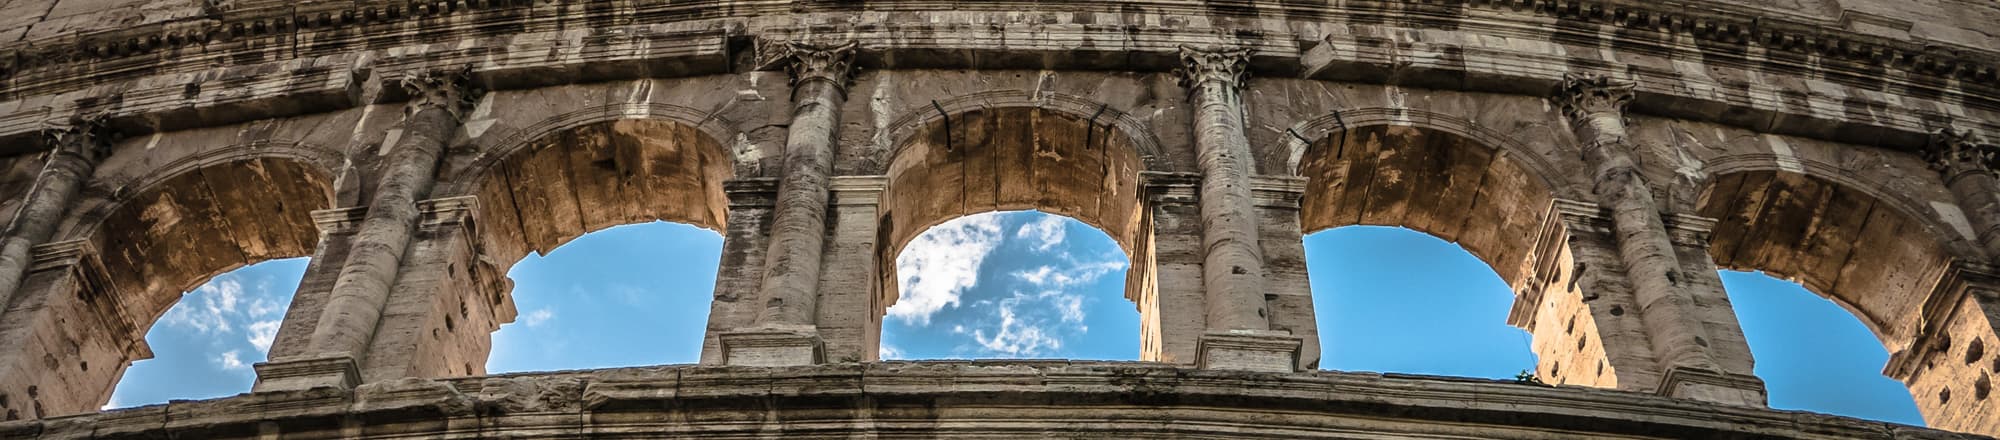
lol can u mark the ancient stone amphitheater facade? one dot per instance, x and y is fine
(1604, 157)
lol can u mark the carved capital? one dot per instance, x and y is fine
(84, 138)
(1229, 67)
(1582, 96)
(450, 89)
(1953, 152)
(805, 63)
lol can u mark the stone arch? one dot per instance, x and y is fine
(627, 170)
(584, 178)
(912, 123)
(1013, 159)
(1811, 228)
(92, 211)
(505, 141)
(1320, 128)
(97, 295)
(1475, 192)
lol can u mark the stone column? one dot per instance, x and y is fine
(785, 333)
(1949, 363)
(1282, 239)
(1967, 167)
(850, 313)
(347, 324)
(74, 153)
(1240, 335)
(1595, 107)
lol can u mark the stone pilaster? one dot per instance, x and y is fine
(740, 273)
(1967, 167)
(75, 149)
(1282, 239)
(850, 312)
(1950, 364)
(1233, 264)
(441, 314)
(819, 78)
(1595, 107)
(1172, 304)
(68, 337)
(1735, 380)
(1574, 299)
(353, 310)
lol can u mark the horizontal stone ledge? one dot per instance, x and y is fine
(237, 94)
(955, 398)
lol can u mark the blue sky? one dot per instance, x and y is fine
(1020, 285)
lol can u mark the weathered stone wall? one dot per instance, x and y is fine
(1604, 157)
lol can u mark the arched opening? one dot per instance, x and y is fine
(1378, 291)
(83, 326)
(1397, 300)
(1008, 159)
(1020, 284)
(204, 345)
(1813, 354)
(1848, 246)
(620, 218)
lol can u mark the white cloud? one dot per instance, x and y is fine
(1046, 231)
(538, 317)
(941, 264)
(229, 360)
(262, 333)
(1015, 337)
(890, 352)
(1070, 275)
(1032, 325)
(207, 308)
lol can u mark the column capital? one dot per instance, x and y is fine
(86, 138)
(450, 89)
(857, 190)
(1228, 66)
(1953, 152)
(1584, 95)
(805, 63)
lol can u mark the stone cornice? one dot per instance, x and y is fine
(151, 93)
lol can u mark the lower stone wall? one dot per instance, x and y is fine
(973, 399)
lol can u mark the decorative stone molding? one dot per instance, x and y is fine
(1954, 153)
(1267, 351)
(450, 89)
(772, 346)
(1584, 95)
(338, 371)
(1689, 230)
(461, 210)
(1283, 192)
(857, 190)
(1710, 386)
(1564, 215)
(1229, 67)
(1170, 187)
(806, 63)
(339, 220)
(751, 192)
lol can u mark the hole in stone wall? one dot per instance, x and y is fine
(1399, 300)
(204, 345)
(1944, 396)
(647, 286)
(1813, 354)
(1975, 351)
(1014, 284)
(1982, 387)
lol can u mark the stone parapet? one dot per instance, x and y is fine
(955, 399)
